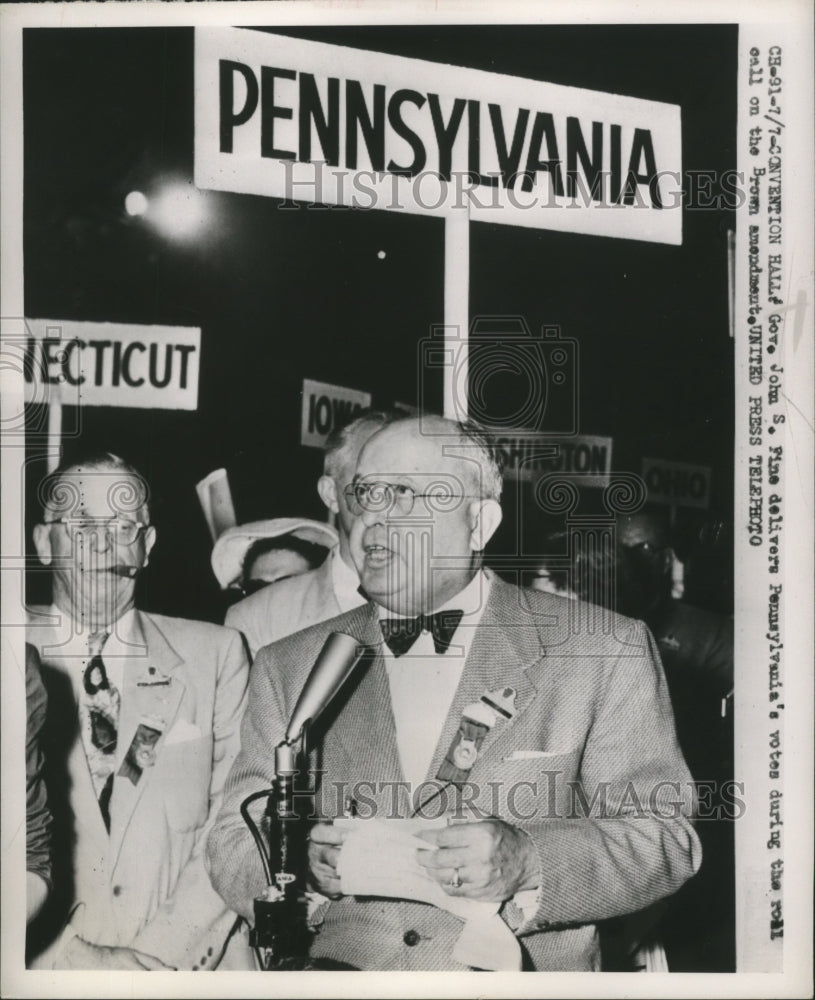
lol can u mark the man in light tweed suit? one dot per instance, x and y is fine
(560, 736)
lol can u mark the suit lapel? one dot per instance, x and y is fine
(365, 726)
(506, 642)
(143, 698)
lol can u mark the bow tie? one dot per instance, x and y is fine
(401, 633)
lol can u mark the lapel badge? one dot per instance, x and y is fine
(501, 701)
(465, 753)
(142, 750)
(153, 677)
(477, 719)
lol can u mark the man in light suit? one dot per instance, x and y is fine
(580, 798)
(144, 717)
(293, 604)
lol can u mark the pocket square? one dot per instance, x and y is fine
(536, 754)
(182, 731)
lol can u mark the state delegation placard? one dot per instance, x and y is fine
(111, 364)
(326, 124)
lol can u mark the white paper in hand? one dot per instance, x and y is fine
(378, 858)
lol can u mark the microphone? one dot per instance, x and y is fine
(280, 931)
(338, 657)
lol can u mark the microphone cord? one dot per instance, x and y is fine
(264, 856)
(429, 799)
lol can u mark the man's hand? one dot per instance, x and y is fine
(323, 853)
(81, 954)
(494, 860)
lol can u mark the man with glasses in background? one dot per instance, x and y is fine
(293, 604)
(142, 728)
(476, 701)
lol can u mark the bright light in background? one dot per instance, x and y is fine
(135, 203)
(178, 210)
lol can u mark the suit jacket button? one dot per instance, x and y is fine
(411, 938)
(117, 890)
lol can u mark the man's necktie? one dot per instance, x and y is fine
(401, 633)
(100, 723)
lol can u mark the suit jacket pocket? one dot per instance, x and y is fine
(186, 772)
(533, 788)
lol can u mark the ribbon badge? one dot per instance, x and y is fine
(477, 719)
(141, 753)
(465, 753)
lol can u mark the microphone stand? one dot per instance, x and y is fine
(281, 935)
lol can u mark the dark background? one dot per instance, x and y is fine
(283, 295)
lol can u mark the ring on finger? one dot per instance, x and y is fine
(455, 881)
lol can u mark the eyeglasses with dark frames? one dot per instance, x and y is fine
(381, 497)
(122, 529)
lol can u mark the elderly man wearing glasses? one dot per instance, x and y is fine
(143, 726)
(475, 701)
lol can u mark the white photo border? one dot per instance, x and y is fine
(786, 23)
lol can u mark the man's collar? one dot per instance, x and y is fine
(471, 600)
(121, 634)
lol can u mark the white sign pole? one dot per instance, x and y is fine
(456, 311)
(54, 428)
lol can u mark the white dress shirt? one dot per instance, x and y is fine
(71, 654)
(72, 647)
(423, 682)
